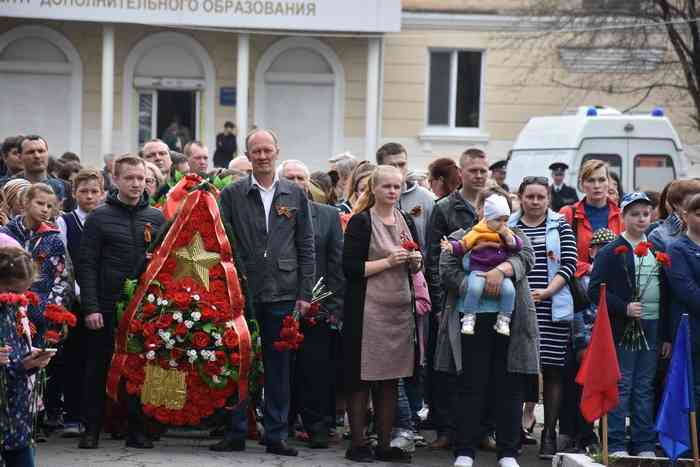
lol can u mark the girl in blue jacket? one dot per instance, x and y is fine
(18, 361)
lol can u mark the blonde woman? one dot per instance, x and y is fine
(379, 327)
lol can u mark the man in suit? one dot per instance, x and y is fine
(314, 369)
(561, 194)
(271, 221)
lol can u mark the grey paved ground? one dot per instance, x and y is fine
(177, 451)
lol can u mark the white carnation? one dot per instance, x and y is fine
(150, 355)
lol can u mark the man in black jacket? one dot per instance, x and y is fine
(455, 211)
(112, 247)
(271, 222)
(314, 369)
(561, 194)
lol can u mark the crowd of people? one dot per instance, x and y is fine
(457, 305)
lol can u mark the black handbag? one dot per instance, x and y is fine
(578, 291)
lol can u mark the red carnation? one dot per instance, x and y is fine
(52, 337)
(621, 250)
(314, 310)
(32, 298)
(642, 249)
(281, 346)
(409, 245)
(177, 353)
(153, 342)
(200, 339)
(230, 339)
(149, 329)
(220, 357)
(664, 259)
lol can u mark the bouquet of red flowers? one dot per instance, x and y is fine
(58, 320)
(290, 336)
(634, 337)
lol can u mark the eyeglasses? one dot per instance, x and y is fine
(151, 181)
(535, 180)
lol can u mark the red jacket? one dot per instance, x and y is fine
(585, 232)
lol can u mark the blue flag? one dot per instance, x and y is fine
(673, 421)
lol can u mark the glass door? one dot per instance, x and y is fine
(148, 115)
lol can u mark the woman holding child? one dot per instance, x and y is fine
(507, 358)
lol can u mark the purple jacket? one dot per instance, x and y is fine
(486, 258)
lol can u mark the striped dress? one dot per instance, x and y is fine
(554, 337)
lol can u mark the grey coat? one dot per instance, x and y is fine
(523, 349)
(279, 262)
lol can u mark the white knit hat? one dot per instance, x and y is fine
(496, 206)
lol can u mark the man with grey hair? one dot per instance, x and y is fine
(158, 152)
(197, 156)
(314, 371)
(343, 165)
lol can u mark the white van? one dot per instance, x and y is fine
(644, 150)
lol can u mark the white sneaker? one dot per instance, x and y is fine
(464, 461)
(403, 439)
(508, 462)
(647, 454)
(468, 323)
(502, 325)
(619, 454)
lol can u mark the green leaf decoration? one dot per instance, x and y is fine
(178, 176)
(208, 328)
(130, 287)
(133, 345)
(121, 306)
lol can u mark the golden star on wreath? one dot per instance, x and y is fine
(194, 261)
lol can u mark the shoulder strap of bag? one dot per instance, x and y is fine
(574, 221)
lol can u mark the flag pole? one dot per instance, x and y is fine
(694, 439)
(604, 421)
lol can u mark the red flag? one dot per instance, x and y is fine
(599, 372)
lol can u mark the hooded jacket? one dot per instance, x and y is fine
(112, 248)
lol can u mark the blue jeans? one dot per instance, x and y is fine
(402, 416)
(636, 390)
(277, 377)
(23, 457)
(471, 301)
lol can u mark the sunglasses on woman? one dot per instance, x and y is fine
(530, 180)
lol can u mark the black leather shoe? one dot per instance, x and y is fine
(138, 441)
(392, 455)
(526, 438)
(361, 454)
(548, 444)
(228, 445)
(89, 440)
(281, 449)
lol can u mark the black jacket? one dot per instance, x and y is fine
(279, 262)
(112, 249)
(328, 243)
(451, 213)
(565, 196)
(609, 268)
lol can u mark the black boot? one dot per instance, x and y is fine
(548, 444)
(138, 440)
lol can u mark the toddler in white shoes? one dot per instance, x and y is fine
(466, 461)
(489, 243)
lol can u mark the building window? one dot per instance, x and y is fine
(454, 89)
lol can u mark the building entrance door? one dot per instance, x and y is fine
(168, 115)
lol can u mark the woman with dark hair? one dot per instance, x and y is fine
(615, 191)
(443, 176)
(555, 264)
(358, 183)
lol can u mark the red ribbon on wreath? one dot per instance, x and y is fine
(159, 258)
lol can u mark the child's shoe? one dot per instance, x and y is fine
(502, 325)
(468, 323)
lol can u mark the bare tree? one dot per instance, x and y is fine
(634, 47)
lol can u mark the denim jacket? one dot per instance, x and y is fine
(562, 301)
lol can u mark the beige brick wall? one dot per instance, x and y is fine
(470, 6)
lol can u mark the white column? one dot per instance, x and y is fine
(107, 89)
(243, 72)
(372, 103)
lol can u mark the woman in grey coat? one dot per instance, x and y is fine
(505, 359)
